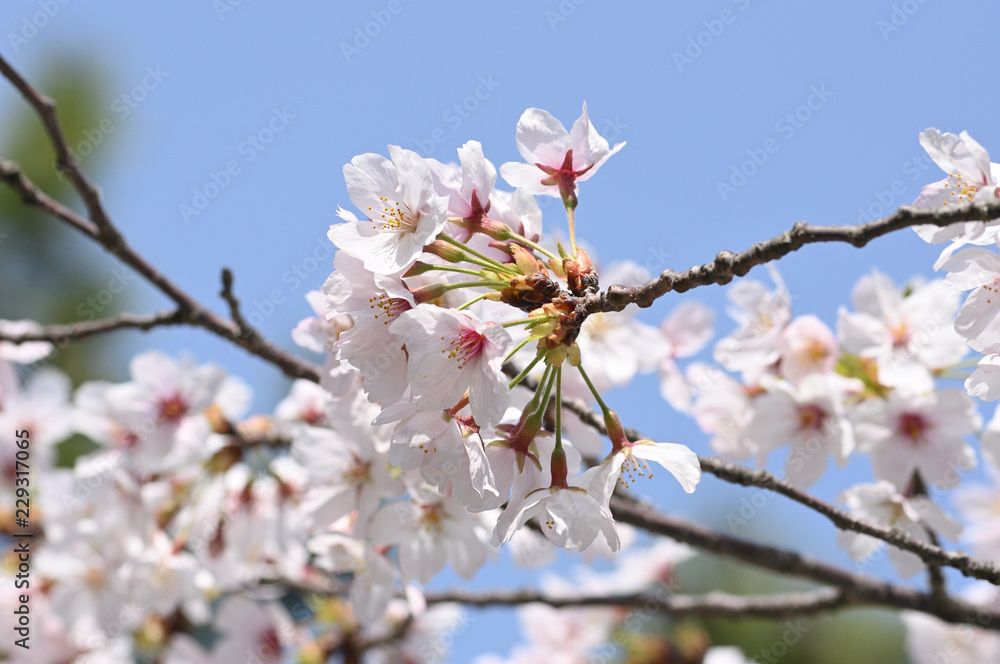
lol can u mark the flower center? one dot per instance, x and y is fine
(394, 217)
(811, 417)
(431, 517)
(632, 467)
(388, 308)
(814, 352)
(172, 408)
(468, 345)
(900, 335)
(913, 426)
(993, 288)
(960, 188)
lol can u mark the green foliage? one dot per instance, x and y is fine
(48, 271)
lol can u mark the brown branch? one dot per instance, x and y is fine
(727, 264)
(729, 472)
(60, 334)
(32, 196)
(101, 229)
(931, 554)
(859, 590)
(713, 604)
(46, 109)
(227, 294)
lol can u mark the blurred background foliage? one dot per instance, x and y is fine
(51, 274)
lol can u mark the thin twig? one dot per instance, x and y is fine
(729, 472)
(60, 334)
(858, 589)
(101, 229)
(727, 264)
(32, 196)
(46, 109)
(713, 604)
(229, 296)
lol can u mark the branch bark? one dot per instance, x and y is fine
(60, 334)
(728, 264)
(713, 604)
(857, 589)
(729, 472)
(100, 228)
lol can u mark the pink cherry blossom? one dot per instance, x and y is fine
(807, 346)
(556, 159)
(451, 353)
(925, 433)
(686, 331)
(809, 416)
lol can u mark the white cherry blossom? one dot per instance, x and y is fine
(451, 353)
(882, 505)
(556, 159)
(403, 211)
(925, 433)
(971, 177)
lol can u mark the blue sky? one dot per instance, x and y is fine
(255, 106)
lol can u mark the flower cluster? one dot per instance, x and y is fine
(452, 333)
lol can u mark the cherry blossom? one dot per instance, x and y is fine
(978, 321)
(980, 505)
(806, 346)
(882, 505)
(930, 641)
(811, 418)
(971, 177)
(686, 331)
(908, 335)
(452, 353)
(556, 159)
(404, 212)
(907, 433)
(723, 407)
(431, 530)
(761, 314)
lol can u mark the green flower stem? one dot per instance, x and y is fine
(461, 270)
(571, 220)
(550, 379)
(604, 407)
(519, 377)
(471, 302)
(476, 284)
(484, 260)
(532, 320)
(528, 243)
(559, 408)
(517, 348)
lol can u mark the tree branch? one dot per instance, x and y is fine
(727, 264)
(46, 109)
(729, 472)
(32, 196)
(858, 589)
(59, 334)
(713, 604)
(100, 228)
